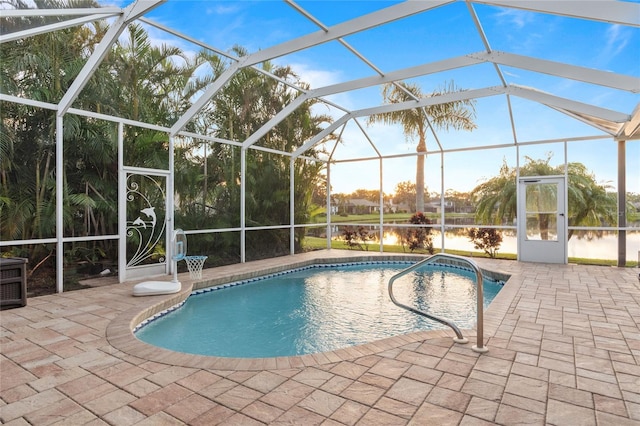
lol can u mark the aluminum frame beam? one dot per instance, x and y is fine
(587, 75)
(362, 23)
(631, 129)
(416, 71)
(611, 11)
(19, 13)
(325, 132)
(568, 104)
(205, 98)
(17, 35)
(284, 113)
(129, 14)
(429, 101)
(380, 17)
(558, 69)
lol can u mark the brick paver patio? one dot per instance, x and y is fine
(564, 349)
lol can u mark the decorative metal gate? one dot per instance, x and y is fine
(146, 223)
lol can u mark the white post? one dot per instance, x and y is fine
(622, 202)
(381, 208)
(59, 203)
(329, 212)
(520, 229)
(292, 208)
(122, 208)
(442, 206)
(243, 184)
(169, 207)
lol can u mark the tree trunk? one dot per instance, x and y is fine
(543, 222)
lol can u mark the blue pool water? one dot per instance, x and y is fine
(315, 309)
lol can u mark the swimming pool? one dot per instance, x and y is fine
(314, 309)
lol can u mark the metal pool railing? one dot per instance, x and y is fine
(479, 347)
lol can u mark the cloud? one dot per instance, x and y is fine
(222, 9)
(510, 73)
(315, 77)
(519, 18)
(521, 30)
(617, 38)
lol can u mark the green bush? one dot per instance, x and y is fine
(486, 239)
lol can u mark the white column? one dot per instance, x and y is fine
(243, 185)
(622, 204)
(329, 205)
(122, 208)
(170, 206)
(381, 207)
(292, 208)
(59, 203)
(442, 207)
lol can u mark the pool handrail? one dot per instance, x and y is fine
(479, 347)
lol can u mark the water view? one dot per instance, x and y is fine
(582, 244)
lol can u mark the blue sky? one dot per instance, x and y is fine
(439, 34)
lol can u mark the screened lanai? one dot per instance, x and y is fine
(247, 124)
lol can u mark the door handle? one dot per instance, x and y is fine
(561, 214)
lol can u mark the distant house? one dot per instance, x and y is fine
(334, 206)
(360, 206)
(436, 207)
(449, 207)
(432, 207)
(391, 207)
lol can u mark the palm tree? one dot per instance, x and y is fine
(457, 115)
(136, 79)
(590, 203)
(39, 67)
(42, 67)
(147, 76)
(496, 198)
(238, 110)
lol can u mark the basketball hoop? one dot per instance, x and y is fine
(195, 264)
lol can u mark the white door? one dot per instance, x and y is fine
(542, 219)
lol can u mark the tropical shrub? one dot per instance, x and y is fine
(419, 238)
(486, 239)
(357, 238)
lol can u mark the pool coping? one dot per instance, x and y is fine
(119, 332)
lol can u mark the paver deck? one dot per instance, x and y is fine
(564, 349)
